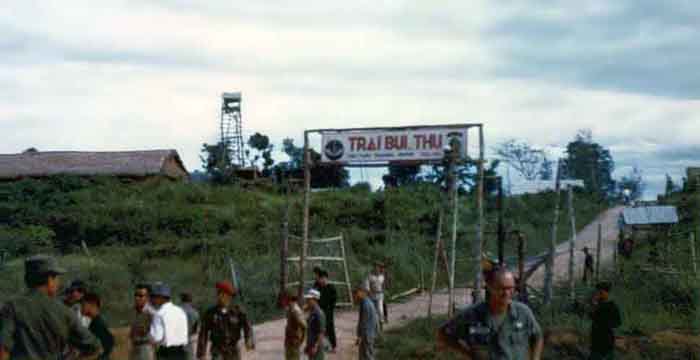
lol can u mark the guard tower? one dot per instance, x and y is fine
(231, 128)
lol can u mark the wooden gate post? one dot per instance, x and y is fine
(480, 222)
(598, 251)
(307, 200)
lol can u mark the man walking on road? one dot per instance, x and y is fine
(588, 266)
(141, 347)
(329, 297)
(367, 323)
(295, 331)
(316, 322)
(169, 327)
(222, 325)
(36, 326)
(498, 329)
(606, 317)
(376, 282)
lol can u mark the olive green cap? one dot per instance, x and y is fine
(42, 264)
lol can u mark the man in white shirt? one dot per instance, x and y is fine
(376, 284)
(169, 329)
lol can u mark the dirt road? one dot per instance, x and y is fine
(270, 335)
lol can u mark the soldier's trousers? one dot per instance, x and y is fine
(366, 349)
(330, 327)
(292, 353)
(142, 352)
(228, 356)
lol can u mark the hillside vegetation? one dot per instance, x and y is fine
(182, 233)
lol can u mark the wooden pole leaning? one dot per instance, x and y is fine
(522, 284)
(549, 268)
(452, 190)
(284, 247)
(307, 200)
(572, 246)
(438, 246)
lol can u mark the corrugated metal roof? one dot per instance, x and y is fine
(650, 215)
(115, 163)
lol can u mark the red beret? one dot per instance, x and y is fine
(226, 287)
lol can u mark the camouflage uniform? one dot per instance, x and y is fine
(294, 332)
(222, 326)
(36, 326)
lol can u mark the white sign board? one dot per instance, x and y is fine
(384, 145)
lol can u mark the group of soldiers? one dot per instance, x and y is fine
(502, 328)
(314, 334)
(37, 326)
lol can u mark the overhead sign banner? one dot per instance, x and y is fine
(385, 145)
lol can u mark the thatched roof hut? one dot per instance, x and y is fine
(129, 164)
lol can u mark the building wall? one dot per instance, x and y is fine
(172, 168)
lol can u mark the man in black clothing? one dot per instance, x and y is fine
(90, 307)
(329, 296)
(588, 266)
(606, 317)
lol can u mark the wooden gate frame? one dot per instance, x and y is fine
(480, 224)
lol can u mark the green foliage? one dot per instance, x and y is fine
(183, 232)
(261, 143)
(26, 240)
(591, 162)
(416, 340)
(217, 162)
(322, 175)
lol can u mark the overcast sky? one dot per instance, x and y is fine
(149, 74)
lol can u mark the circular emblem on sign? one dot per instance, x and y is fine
(334, 150)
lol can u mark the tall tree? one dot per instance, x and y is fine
(523, 157)
(322, 175)
(216, 162)
(634, 182)
(590, 162)
(670, 185)
(261, 144)
(402, 174)
(546, 171)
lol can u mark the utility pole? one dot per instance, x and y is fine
(598, 250)
(549, 268)
(501, 230)
(438, 247)
(572, 245)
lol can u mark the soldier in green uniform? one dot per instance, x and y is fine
(500, 329)
(222, 325)
(140, 323)
(36, 326)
